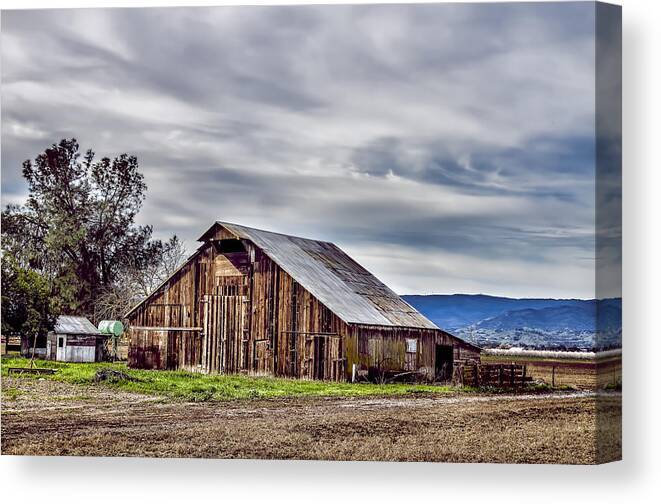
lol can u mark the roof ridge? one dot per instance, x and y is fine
(226, 223)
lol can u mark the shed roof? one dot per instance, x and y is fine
(334, 278)
(68, 324)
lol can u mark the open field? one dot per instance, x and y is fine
(48, 417)
(590, 374)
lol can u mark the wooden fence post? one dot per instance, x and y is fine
(553, 376)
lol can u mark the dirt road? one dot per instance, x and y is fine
(50, 418)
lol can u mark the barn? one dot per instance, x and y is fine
(75, 339)
(260, 302)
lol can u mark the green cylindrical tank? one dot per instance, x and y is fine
(114, 327)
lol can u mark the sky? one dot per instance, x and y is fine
(447, 148)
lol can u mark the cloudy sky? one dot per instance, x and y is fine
(447, 148)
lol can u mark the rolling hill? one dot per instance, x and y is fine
(492, 321)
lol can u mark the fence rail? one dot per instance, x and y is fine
(491, 375)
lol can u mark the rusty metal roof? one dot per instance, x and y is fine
(67, 324)
(334, 278)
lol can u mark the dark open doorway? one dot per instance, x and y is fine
(319, 358)
(444, 362)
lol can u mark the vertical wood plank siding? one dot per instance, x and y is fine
(373, 348)
(253, 317)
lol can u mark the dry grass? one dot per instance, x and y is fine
(582, 374)
(51, 418)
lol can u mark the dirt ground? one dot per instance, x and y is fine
(51, 418)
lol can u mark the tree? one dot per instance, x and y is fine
(170, 256)
(135, 284)
(26, 302)
(78, 227)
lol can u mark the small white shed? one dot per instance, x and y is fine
(75, 339)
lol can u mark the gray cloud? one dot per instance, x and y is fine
(449, 148)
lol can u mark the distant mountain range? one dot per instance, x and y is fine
(501, 322)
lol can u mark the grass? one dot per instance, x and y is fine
(185, 386)
(614, 385)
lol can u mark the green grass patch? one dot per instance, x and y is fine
(185, 386)
(614, 386)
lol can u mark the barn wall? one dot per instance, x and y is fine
(255, 318)
(163, 349)
(147, 348)
(375, 348)
(293, 333)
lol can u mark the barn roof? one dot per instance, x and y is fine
(68, 324)
(334, 278)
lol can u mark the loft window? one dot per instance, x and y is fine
(411, 360)
(411, 345)
(229, 245)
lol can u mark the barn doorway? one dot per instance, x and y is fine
(319, 362)
(444, 362)
(224, 335)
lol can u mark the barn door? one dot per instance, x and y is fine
(319, 363)
(263, 356)
(308, 358)
(322, 360)
(224, 318)
(61, 348)
(211, 328)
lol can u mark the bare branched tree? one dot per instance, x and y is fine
(173, 255)
(136, 283)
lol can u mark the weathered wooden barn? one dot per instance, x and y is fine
(261, 302)
(75, 339)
